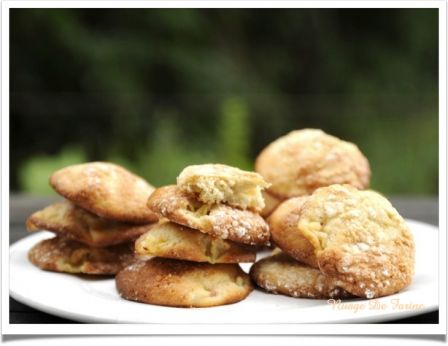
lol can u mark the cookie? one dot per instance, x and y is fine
(170, 240)
(105, 189)
(270, 204)
(220, 221)
(162, 281)
(217, 184)
(358, 239)
(303, 160)
(282, 274)
(68, 220)
(283, 225)
(60, 254)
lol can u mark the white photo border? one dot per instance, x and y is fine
(227, 329)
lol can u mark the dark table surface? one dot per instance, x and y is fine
(418, 208)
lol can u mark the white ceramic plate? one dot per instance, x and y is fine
(86, 299)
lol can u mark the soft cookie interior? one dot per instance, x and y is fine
(215, 184)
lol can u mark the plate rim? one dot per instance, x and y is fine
(85, 318)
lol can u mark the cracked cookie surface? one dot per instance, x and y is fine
(303, 160)
(359, 239)
(282, 274)
(162, 281)
(106, 190)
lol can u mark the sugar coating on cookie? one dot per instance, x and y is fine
(285, 233)
(282, 274)
(106, 190)
(359, 239)
(303, 160)
(68, 220)
(170, 240)
(61, 254)
(221, 221)
(217, 183)
(162, 281)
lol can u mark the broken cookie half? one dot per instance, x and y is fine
(222, 184)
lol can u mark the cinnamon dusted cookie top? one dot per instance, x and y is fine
(282, 274)
(359, 239)
(217, 184)
(68, 220)
(303, 160)
(221, 221)
(68, 256)
(162, 281)
(105, 189)
(170, 240)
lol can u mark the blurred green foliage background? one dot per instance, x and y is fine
(158, 89)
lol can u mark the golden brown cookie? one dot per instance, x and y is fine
(162, 281)
(358, 239)
(68, 220)
(221, 221)
(217, 184)
(64, 255)
(283, 225)
(105, 189)
(282, 274)
(304, 160)
(271, 203)
(171, 240)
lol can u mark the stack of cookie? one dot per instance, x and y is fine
(336, 239)
(103, 213)
(336, 243)
(210, 222)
